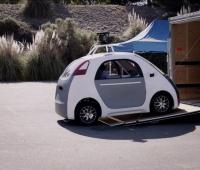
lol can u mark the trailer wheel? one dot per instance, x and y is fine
(161, 103)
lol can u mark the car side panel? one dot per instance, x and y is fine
(122, 93)
(83, 87)
(156, 83)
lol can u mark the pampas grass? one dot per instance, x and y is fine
(136, 25)
(11, 65)
(43, 60)
(53, 47)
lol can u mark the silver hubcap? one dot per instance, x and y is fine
(88, 114)
(161, 104)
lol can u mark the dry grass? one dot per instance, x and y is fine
(70, 42)
(54, 46)
(11, 65)
(136, 25)
(43, 62)
(184, 10)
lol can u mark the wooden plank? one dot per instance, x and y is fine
(194, 102)
(194, 41)
(183, 110)
(187, 74)
(189, 93)
(110, 121)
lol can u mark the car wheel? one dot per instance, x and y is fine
(87, 114)
(161, 103)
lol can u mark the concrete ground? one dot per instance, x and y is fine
(33, 137)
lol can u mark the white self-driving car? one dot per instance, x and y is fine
(109, 84)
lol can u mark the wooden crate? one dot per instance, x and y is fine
(187, 74)
(190, 93)
(186, 58)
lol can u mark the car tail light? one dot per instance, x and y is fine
(81, 69)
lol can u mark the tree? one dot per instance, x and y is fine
(38, 8)
(174, 6)
(149, 2)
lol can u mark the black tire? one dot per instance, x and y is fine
(87, 113)
(161, 103)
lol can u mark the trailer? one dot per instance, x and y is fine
(186, 109)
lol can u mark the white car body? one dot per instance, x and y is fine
(80, 87)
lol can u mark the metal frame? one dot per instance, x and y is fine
(96, 47)
(194, 16)
(183, 111)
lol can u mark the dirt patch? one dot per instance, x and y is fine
(101, 18)
(98, 18)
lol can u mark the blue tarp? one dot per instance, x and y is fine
(153, 39)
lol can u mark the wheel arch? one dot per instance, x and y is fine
(89, 100)
(162, 92)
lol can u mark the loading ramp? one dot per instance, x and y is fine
(185, 109)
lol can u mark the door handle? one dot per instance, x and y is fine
(152, 75)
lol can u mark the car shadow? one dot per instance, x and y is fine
(137, 133)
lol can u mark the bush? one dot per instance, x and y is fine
(43, 60)
(43, 67)
(11, 67)
(9, 1)
(55, 46)
(38, 8)
(19, 30)
(74, 42)
(9, 26)
(91, 2)
(136, 25)
(57, 1)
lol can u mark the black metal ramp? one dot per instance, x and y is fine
(142, 118)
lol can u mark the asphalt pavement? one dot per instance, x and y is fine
(34, 137)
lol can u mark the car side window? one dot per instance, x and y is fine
(118, 69)
(129, 69)
(108, 70)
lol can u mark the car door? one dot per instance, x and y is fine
(120, 84)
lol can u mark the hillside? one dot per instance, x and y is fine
(98, 18)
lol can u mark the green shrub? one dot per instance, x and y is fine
(74, 42)
(11, 66)
(54, 47)
(42, 67)
(57, 1)
(9, 1)
(38, 8)
(136, 25)
(43, 61)
(19, 30)
(9, 26)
